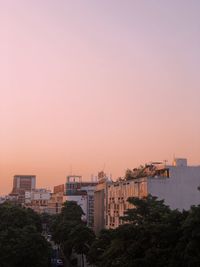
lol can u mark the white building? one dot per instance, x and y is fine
(180, 189)
(83, 193)
(178, 185)
(37, 199)
(37, 195)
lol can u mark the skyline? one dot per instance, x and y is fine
(97, 83)
(93, 177)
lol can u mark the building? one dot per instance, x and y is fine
(89, 212)
(83, 193)
(55, 203)
(21, 184)
(117, 195)
(177, 184)
(37, 200)
(180, 188)
(2, 199)
(59, 189)
(100, 202)
(57, 198)
(24, 182)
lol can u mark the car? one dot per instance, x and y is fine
(59, 262)
(49, 238)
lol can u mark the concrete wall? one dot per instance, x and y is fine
(180, 190)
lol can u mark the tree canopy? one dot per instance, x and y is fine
(71, 232)
(21, 242)
(152, 236)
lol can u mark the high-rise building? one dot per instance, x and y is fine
(100, 202)
(178, 185)
(22, 183)
(83, 193)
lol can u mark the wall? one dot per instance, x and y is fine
(179, 190)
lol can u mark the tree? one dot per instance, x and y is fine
(147, 239)
(99, 246)
(187, 251)
(16, 216)
(81, 239)
(71, 211)
(71, 232)
(21, 242)
(146, 210)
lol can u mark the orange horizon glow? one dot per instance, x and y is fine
(92, 85)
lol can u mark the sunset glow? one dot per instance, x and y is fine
(91, 85)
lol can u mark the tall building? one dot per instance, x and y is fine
(117, 195)
(177, 184)
(83, 193)
(22, 183)
(57, 198)
(100, 202)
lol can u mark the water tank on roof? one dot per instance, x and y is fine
(180, 162)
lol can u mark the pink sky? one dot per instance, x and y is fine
(88, 84)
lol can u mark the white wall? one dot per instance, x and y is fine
(179, 190)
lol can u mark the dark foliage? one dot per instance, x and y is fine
(21, 242)
(152, 236)
(70, 232)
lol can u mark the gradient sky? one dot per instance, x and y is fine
(86, 85)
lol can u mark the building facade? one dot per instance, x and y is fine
(117, 195)
(83, 193)
(37, 200)
(55, 202)
(180, 189)
(21, 184)
(100, 202)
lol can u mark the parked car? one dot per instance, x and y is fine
(59, 262)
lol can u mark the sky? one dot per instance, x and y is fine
(91, 85)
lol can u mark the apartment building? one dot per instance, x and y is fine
(21, 184)
(100, 202)
(177, 184)
(57, 198)
(38, 200)
(117, 195)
